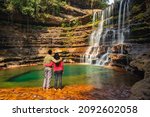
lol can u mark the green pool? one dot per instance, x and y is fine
(73, 74)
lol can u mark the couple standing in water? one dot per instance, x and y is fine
(53, 63)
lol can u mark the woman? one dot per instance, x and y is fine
(58, 71)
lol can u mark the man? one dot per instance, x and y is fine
(48, 70)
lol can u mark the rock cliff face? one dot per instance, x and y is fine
(140, 38)
(25, 43)
(140, 21)
(28, 47)
(141, 90)
(25, 40)
(138, 57)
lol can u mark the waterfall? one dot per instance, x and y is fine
(95, 37)
(121, 21)
(106, 35)
(104, 59)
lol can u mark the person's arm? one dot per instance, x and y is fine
(49, 64)
(56, 61)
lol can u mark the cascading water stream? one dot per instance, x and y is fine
(93, 50)
(106, 35)
(104, 59)
(119, 23)
(96, 36)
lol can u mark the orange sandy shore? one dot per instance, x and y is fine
(75, 92)
(72, 92)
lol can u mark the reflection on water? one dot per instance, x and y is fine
(73, 74)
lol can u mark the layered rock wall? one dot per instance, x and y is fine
(19, 46)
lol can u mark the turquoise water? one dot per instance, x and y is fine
(73, 74)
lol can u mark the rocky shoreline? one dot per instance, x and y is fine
(141, 90)
(136, 61)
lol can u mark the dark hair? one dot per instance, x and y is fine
(50, 52)
(57, 57)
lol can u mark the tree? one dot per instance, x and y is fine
(26, 7)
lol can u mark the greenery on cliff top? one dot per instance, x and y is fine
(35, 8)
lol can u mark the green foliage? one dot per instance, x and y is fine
(101, 3)
(10, 8)
(34, 8)
(140, 17)
(140, 12)
(90, 3)
(76, 22)
(26, 7)
(40, 9)
(136, 9)
(66, 24)
(72, 23)
(98, 3)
